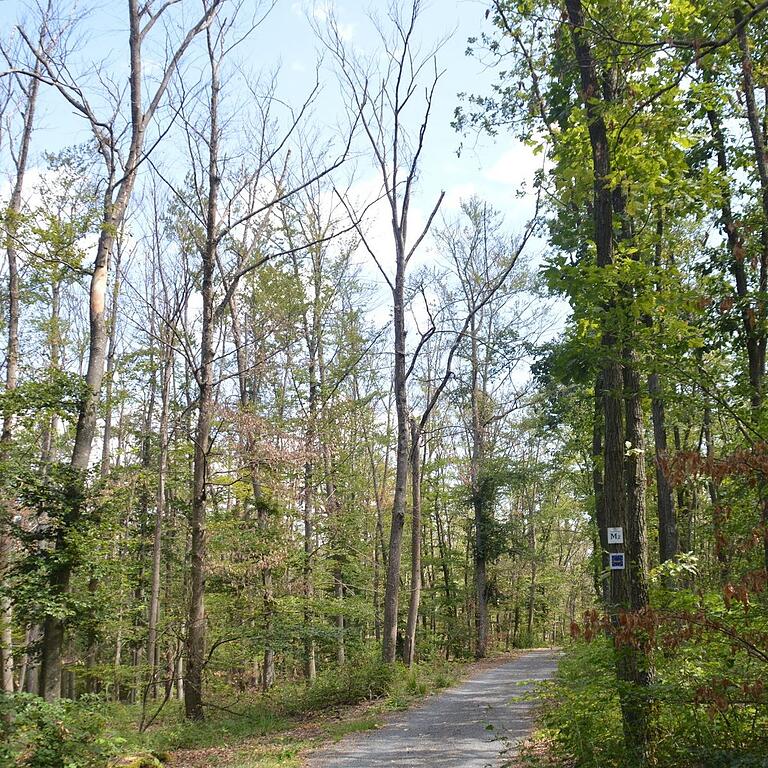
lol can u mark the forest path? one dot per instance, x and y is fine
(474, 725)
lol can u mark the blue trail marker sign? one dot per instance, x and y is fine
(617, 561)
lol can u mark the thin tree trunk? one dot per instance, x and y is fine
(110, 371)
(196, 624)
(602, 584)
(756, 310)
(310, 671)
(12, 371)
(389, 644)
(669, 543)
(409, 653)
(157, 534)
(479, 505)
(531, 608)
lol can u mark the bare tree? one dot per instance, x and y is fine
(384, 96)
(479, 252)
(487, 282)
(226, 198)
(122, 148)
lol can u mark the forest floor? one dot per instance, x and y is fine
(475, 723)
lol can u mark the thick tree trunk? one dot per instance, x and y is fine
(635, 665)
(85, 431)
(625, 511)
(117, 194)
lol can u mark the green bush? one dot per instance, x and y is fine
(63, 734)
(582, 709)
(582, 714)
(349, 684)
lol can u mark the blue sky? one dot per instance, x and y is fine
(494, 169)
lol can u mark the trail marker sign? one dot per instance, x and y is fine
(617, 561)
(615, 535)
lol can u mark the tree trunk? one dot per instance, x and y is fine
(118, 189)
(479, 504)
(756, 310)
(389, 645)
(11, 372)
(531, 608)
(110, 372)
(602, 584)
(669, 543)
(415, 597)
(624, 593)
(634, 664)
(196, 624)
(754, 335)
(310, 671)
(157, 534)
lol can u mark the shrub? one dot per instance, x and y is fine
(63, 734)
(583, 716)
(350, 684)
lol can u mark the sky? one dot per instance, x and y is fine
(497, 169)
(494, 169)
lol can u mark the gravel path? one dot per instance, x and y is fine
(474, 725)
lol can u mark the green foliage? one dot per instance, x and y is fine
(351, 684)
(582, 709)
(56, 391)
(583, 712)
(64, 734)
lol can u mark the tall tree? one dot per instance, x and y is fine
(121, 167)
(27, 104)
(396, 141)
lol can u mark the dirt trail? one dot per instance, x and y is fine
(474, 725)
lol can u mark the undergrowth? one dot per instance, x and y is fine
(582, 716)
(89, 733)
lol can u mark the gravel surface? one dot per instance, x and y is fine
(474, 725)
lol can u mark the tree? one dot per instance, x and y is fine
(27, 104)
(121, 166)
(396, 147)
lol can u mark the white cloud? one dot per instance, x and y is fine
(457, 194)
(321, 12)
(515, 167)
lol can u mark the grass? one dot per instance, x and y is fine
(264, 731)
